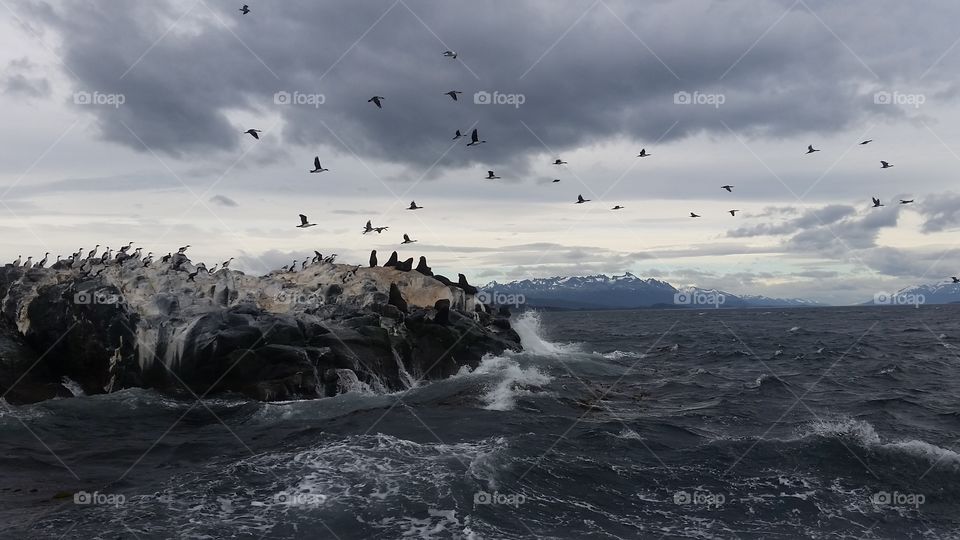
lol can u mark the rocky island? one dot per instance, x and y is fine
(175, 327)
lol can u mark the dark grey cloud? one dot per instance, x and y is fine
(223, 200)
(597, 81)
(810, 218)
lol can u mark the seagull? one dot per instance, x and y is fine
(581, 200)
(876, 202)
(407, 240)
(693, 215)
(458, 135)
(733, 212)
(253, 133)
(559, 161)
(376, 101)
(617, 207)
(643, 153)
(885, 165)
(868, 141)
(475, 139)
(728, 188)
(811, 149)
(304, 223)
(245, 9)
(413, 206)
(453, 94)
(491, 176)
(368, 228)
(908, 201)
(955, 279)
(450, 54)
(316, 166)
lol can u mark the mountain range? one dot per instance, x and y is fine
(621, 292)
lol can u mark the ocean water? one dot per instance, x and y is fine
(816, 423)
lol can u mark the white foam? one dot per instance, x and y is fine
(528, 327)
(73, 386)
(865, 435)
(513, 381)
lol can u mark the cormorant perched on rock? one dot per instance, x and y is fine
(423, 268)
(93, 252)
(106, 256)
(183, 250)
(373, 259)
(43, 262)
(467, 288)
(393, 260)
(193, 274)
(396, 299)
(167, 257)
(406, 265)
(18, 261)
(443, 311)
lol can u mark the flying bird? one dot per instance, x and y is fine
(376, 101)
(368, 227)
(955, 279)
(380, 229)
(728, 188)
(868, 141)
(733, 212)
(245, 9)
(475, 139)
(253, 133)
(457, 135)
(907, 201)
(491, 176)
(316, 166)
(643, 153)
(811, 149)
(407, 240)
(876, 202)
(885, 165)
(693, 215)
(453, 94)
(617, 207)
(559, 161)
(555, 180)
(413, 206)
(304, 223)
(581, 200)
(450, 54)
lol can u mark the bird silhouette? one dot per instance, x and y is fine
(617, 207)
(907, 201)
(457, 135)
(491, 176)
(885, 165)
(253, 133)
(811, 149)
(876, 202)
(581, 200)
(733, 212)
(316, 166)
(559, 161)
(453, 94)
(450, 54)
(643, 153)
(475, 139)
(728, 188)
(693, 215)
(868, 141)
(413, 206)
(376, 101)
(304, 223)
(407, 240)
(245, 9)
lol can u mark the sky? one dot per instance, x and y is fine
(124, 122)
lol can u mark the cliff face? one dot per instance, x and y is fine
(307, 334)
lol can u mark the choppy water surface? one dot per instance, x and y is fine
(823, 423)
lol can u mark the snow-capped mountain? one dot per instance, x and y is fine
(621, 291)
(929, 293)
